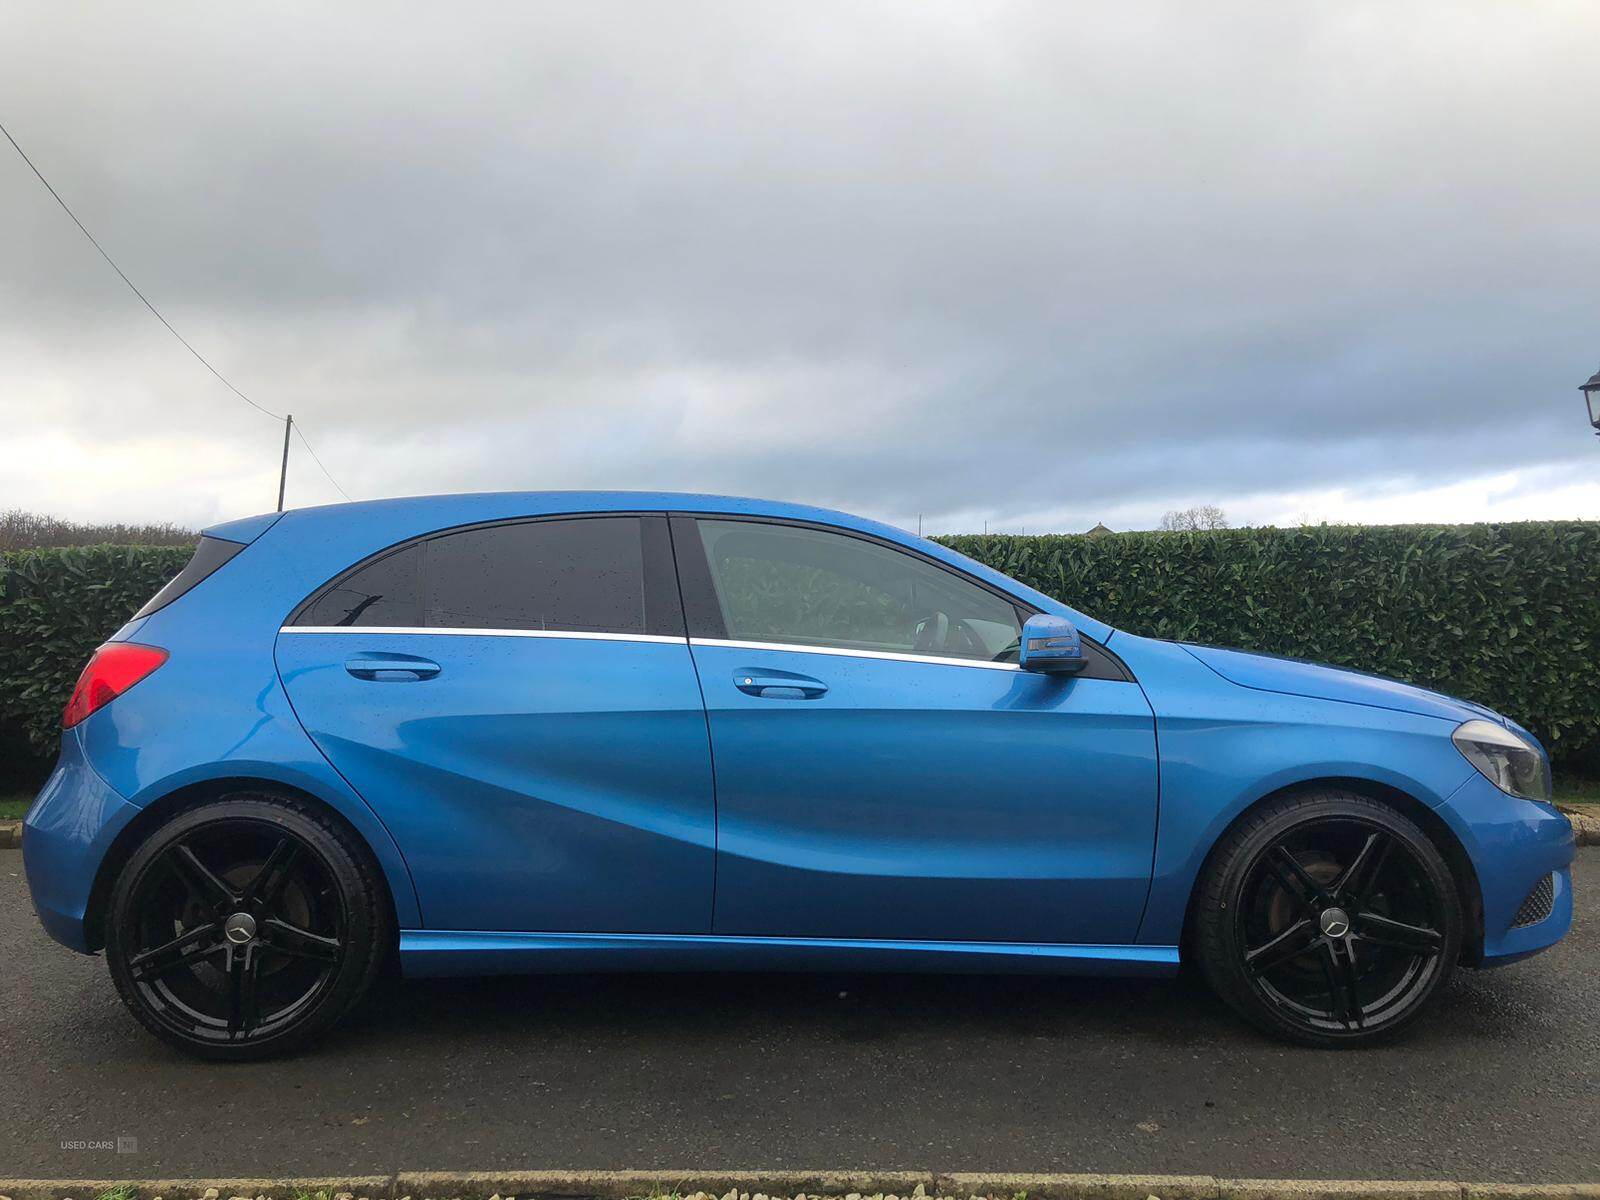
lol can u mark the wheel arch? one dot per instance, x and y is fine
(1435, 828)
(160, 810)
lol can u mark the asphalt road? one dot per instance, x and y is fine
(1502, 1083)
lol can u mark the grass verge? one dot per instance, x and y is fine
(1577, 789)
(14, 804)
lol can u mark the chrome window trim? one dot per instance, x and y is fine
(657, 639)
(453, 631)
(844, 652)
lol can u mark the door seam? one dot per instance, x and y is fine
(416, 896)
(711, 746)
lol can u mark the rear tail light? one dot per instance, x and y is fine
(113, 669)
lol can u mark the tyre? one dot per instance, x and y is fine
(1327, 919)
(245, 927)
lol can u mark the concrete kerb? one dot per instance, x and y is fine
(781, 1185)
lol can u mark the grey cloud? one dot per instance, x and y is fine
(994, 258)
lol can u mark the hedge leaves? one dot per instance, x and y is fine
(56, 606)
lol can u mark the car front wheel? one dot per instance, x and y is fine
(1328, 919)
(244, 927)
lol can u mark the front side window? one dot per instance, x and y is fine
(577, 575)
(788, 583)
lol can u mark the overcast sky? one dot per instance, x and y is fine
(1036, 264)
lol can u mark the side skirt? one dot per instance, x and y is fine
(434, 953)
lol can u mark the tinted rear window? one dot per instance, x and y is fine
(581, 575)
(209, 555)
(584, 575)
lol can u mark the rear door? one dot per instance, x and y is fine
(518, 703)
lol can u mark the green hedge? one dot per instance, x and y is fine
(1504, 614)
(55, 607)
(1507, 615)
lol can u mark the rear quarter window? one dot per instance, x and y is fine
(210, 556)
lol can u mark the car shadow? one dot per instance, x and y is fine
(834, 1008)
(818, 1007)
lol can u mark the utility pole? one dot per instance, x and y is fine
(283, 472)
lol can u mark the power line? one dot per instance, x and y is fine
(129, 282)
(301, 435)
(157, 312)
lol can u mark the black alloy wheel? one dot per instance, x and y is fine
(244, 927)
(1328, 919)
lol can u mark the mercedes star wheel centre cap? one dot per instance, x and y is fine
(241, 928)
(1334, 921)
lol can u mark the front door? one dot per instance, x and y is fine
(518, 704)
(883, 768)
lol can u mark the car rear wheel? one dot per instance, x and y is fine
(1328, 919)
(244, 927)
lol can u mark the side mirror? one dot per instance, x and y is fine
(1051, 645)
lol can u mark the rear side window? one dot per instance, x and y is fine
(583, 576)
(579, 575)
(210, 555)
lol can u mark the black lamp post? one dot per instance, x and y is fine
(1591, 393)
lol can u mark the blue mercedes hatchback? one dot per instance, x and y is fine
(610, 731)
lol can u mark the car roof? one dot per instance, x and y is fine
(458, 506)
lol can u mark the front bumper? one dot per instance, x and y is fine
(1513, 844)
(65, 838)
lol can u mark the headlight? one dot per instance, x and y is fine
(1513, 763)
